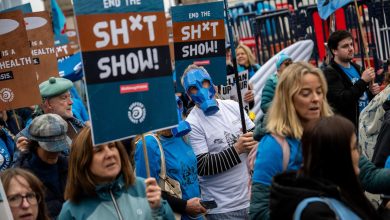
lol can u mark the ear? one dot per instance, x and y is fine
(46, 104)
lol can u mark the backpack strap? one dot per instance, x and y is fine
(341, 211)
(282, 141)
(162, 155)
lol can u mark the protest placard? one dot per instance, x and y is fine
(230, 90)
(127, 67)
(41, 38)
(199, 38)
(18, 81)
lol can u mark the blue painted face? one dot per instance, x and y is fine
(203, 96)
(183, 127)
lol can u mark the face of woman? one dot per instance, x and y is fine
(106, 163)
(22, 199)
(355, 154)
(308, 100)
(242, 58)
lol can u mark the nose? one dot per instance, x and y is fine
(316, 97)
(25, 203)
(70, 101)
(108, 151)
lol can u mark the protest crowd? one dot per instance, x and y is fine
(191, 144)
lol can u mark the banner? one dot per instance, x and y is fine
(199, 38)
(41, 38)
(25, 8)
(230, 90)
(127, 67)
(328, 7)
(18, 81)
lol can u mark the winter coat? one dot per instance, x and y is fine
(373, 180)
(53, 178)
(268, 92)
(289, 189)
(342, 95)
(115, 201)
(382, 146)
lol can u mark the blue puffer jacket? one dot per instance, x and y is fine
(115, 201)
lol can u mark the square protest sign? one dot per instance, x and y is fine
(127, 67)
(18, 80)
(199, 38)
(41, 37)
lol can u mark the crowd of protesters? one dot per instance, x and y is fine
(321, 144)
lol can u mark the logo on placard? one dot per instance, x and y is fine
(6, 95)
(137, 112)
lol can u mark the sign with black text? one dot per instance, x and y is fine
(229, 91)
(127, 67)
(18, 81)
(199, 38)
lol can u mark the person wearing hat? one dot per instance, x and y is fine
(282, 61)
(47, 139)
(56, 99)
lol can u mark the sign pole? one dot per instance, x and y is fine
(16, 119)
(146, 156)
(365, 43)
(232, 46)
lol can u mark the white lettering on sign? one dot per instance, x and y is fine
(133, 2)
(7, 64)
(111, 3)
(110, 31)
(131, 63)
(200, 49)
(195, 31)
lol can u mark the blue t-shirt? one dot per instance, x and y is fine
(269, 159)
(180, 162)
(354, 76)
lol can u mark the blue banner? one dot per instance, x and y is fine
(127, 67)
(199, 38)
(328, 7)
(25, 8)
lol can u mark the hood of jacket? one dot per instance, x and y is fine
(289, 189)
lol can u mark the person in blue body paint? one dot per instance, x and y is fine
(180, 162)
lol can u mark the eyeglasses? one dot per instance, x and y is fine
(16, 200)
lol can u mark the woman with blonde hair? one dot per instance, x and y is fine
(300, 98)
(25, 194)
(247, 61)
(102, 185)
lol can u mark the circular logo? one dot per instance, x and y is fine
(137, 112)
(6, 95)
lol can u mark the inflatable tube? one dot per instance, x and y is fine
(299, 51)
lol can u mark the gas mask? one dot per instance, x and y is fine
(183, 127)
(204, 97)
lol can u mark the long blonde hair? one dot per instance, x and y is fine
(283, 119)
